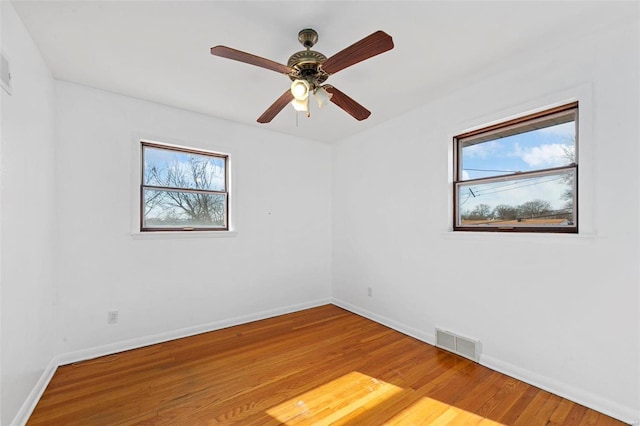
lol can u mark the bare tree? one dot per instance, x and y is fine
(192, 200)
(568, 179)
(152, 199)
(505, 212)
(479, 212)
(533, 209)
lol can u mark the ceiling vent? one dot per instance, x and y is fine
(457, 344)
(5, 75)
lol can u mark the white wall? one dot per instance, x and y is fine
(27, 217)
(560, 311)
(279, 259)
(1, 139)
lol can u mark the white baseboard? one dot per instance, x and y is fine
(126, 345)
(398, 326)
(29, 405)
(595, 402)
(34, 396)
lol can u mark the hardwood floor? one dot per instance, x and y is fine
(316, 367)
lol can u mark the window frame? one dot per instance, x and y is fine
(186, 150)
(511, 128)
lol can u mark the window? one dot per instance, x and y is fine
(520, 175)
(183, 189)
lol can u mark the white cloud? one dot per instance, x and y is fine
(550, 155)
(483, 150)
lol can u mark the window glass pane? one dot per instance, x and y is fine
(542, 200)
(179, 209)
(175, 169)
(541, 148)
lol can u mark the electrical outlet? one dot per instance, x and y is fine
(112, 317)
(369, 291)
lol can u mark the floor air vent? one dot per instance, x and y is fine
(463, 346)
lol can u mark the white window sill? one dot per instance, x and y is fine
(171, 235)
(520, 236)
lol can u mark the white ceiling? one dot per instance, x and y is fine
(159, 50)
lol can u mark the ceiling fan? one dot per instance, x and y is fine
(308, 70)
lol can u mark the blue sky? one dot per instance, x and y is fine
(534, 150)
(164, 159)
(538, 149)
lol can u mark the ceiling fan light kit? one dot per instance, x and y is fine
(322, 96)
(308, 70)
(301, 105)
(300, 89)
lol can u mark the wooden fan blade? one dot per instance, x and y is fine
(248, 58)
(350, 106)
(372, 45)
(276, 107)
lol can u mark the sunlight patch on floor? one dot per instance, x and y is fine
(334, 401)
(429, 411)
(343, 400)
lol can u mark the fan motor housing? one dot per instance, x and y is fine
(306, 57)
(307, 63)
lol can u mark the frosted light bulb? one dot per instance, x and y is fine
(300, 89)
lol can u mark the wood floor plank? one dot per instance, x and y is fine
(509, 391)
(320, 366)
(560, 416)
(516, 410)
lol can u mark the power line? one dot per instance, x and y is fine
(494, 170)
(492, 190)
